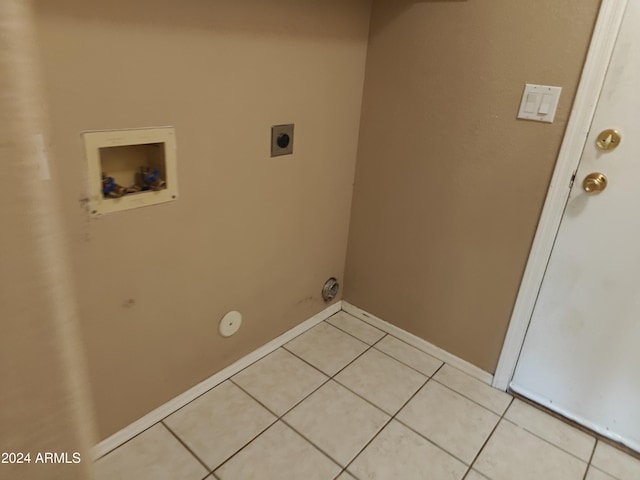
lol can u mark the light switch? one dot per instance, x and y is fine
(532, 101)
(539, 103)
(545, 104)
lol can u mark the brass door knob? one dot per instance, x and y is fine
(594, 183)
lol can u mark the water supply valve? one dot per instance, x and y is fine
(110, 188)
(148, 179)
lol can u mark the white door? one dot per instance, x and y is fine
(581, 355)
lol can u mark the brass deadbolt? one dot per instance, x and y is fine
(594, 183)
(608, 139)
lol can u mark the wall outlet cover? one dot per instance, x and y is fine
(282, 140)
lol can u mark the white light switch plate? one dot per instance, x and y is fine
(539, 102)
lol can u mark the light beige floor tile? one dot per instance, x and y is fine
(615, 462)
(217, 424)
(382, 380)
(337, 421)
(450, 420)
(473, 475)
(512, 452)
(279, 380)
(409, 355)
(326, 347)
(595, 474)
(153, 455)
(553, 430)
(279, 453)
(356, 327)
(487, 396)
(399, 453)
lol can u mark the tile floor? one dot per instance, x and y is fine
(345, 400)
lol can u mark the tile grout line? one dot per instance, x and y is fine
(393, 417)
(373, 404)
(590, 465)
(275, 414)
(209, 471)
(606, 473)
(328, 377)
(366, 399)
(217, 467)
(432, 377)
(406, 364)
(369, 347)
(433, 442)
(429, 378)
(469, 470)
(567, 421)
(593, 452)
(420, 350)
(428, 351)
(487, 440)
(320, 386)
(277, 417)
(574, 425)
(281, 346)
(384, 334)
(308, 363)
(312, 444)
(324, 373)
(281, 417)
(386, 424)
(442, 363)
(548, 441)
(471, 399)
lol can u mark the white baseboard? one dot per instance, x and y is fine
(419, 343)
(153, 417)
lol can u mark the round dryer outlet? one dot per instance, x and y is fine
(230, 323)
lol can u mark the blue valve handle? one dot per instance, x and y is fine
(108, 185)
(152, 177)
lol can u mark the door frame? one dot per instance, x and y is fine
(591, 82)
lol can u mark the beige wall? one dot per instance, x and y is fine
(248, 232)
(44, 397)
(449, 185)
